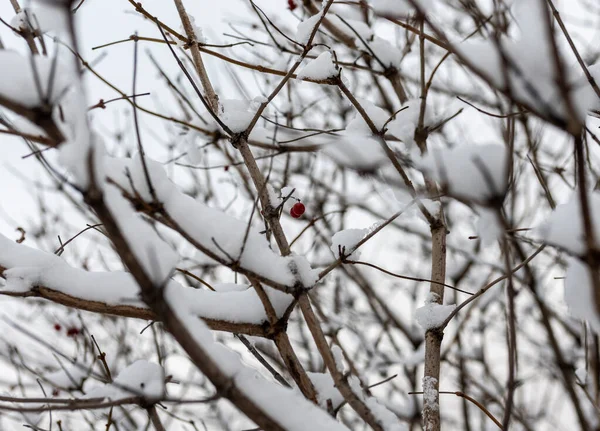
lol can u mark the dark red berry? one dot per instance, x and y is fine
(297, 210)
(55, 392)
(292, 5)
(72, 332)
(226, 168)
(57, 327)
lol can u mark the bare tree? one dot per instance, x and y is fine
(334, 215)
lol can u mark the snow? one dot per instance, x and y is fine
(242, 306)
(355, 151)
(236, 114)
(141, 378)
(92, 286)
(305, 28)
(472, 172)
(564, 228)
(197, 30)
(406, 121)
(579, 293)
(355, 146)
(18, 75)
(23, 125)
(70, 376)
(198, 220)
(229, 287)
(28, 268)
(432, 314)
(398, 8)
(385, 417)
(581, 374)
(80, 142)
(286, 406)
(156, 257)
(43, 81)
(338, 356)
(347, 240)
(326, 389)
(48, 17)
(387, 53)
(363, 30)
(430, 392)
(488, 226)
(20, 20)
(377, 115)
(287, 191)
(531, 73)
(257, 101)
(321, 67)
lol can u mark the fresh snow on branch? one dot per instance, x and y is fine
(476, 173)
(28, 268)
(141, 379)
(286, 406)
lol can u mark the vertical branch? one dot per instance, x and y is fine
(212, 97)
(511, 335)
(433, 337)
(137, 124)
(29, 33)
(271, 215)
(158, 425)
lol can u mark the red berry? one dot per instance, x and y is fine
(71, 332)
(297, 210)
(292, 5)
(57, 327)
(55, 392)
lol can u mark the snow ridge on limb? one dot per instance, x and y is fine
(285, 406)
(31, 272)
(245, 250)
